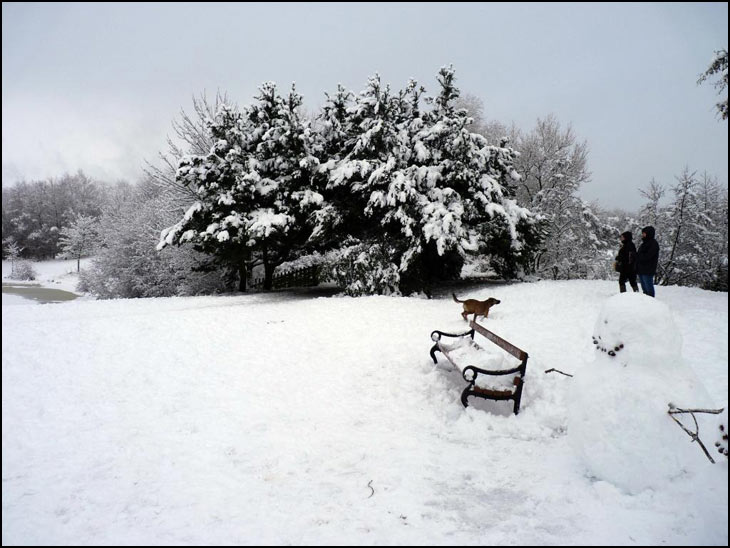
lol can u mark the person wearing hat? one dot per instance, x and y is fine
(647, 258)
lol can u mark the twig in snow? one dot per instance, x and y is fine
(676, 410)
(557, 371)
(371, 488)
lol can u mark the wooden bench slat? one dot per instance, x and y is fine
(493, 393)
(499, 341)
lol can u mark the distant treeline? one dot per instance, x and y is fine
(35, 212)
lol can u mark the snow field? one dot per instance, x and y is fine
(286, 419)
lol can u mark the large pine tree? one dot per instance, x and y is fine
(216, 223)
(360, 137)
(281, 163)
(466, 194)
(254, 195)
(423, 191)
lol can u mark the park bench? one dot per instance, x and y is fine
(494, 383)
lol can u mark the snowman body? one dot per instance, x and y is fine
(617, 418)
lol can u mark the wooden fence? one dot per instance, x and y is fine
(301, 277)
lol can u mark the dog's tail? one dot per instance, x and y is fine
(457, 300)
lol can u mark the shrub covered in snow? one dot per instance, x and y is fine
(23, 270)
(127, 265)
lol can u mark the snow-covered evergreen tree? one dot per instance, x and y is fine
(253, 188)
(281, 163)
(334, 131)
(215, 223)
(417, 191)
(467, 188)
(360, 137)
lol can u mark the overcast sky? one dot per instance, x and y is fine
(96, 86)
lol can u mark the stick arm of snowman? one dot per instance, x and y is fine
(694, 435)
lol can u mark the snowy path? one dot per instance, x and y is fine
(276, 419)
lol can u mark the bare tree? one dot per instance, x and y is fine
(552, 162)
(11, 250)
(474, 106)
(496, 133)
(553, 166)
(651, 211)
(193, 137)
(691, 230)
(79, 239)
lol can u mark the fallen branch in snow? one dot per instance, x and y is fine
(371, 488)
(694, 435)
(557, 371)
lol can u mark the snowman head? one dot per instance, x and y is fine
(634, 330)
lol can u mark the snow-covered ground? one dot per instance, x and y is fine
(289, 419)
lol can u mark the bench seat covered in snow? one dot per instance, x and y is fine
(490, 374)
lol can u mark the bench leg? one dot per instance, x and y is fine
(518, 397)
(433, 353)
(465, 396)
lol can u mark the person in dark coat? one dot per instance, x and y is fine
(647, 258)
(626, 263)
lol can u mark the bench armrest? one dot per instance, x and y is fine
(436, 335)
(470, 372)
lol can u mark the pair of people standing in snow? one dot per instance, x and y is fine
(631, 262)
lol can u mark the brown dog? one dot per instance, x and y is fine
(478, 308)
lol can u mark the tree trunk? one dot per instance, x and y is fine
(269, 276)
(242, 276)
(268, 269)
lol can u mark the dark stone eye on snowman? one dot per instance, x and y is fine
(610, 350)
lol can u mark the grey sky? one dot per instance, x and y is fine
(96, 86)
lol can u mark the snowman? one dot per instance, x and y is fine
(617, 417)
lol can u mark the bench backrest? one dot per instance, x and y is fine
(499, 341)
